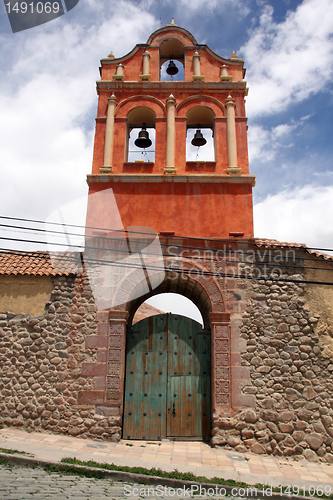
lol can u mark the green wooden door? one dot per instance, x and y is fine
(167, 381)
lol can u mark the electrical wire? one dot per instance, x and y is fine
(155, 235)
(80, 247)
(199, 272)
(108, 240)
(127, 251)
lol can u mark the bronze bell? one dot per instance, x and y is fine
(198, 139)
(172, 69)
(143, 140)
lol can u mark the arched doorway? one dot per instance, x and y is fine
(167, 379)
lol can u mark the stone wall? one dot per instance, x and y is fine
(41, 360)
(57, 367)
(291, 373)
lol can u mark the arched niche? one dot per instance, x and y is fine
(200, 119)
(172, 49)
(138, 119)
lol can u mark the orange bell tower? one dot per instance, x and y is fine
(155, 180)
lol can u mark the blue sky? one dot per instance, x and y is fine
(48, 102)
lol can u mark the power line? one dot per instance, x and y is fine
(198, 272)
(270, 245)
(151, 253)
(182, 247)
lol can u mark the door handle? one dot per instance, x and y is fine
(173, 410)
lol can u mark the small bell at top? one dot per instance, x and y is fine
(198, 139)
(143, 140)
(172, 69)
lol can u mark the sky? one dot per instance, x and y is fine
(48, 103)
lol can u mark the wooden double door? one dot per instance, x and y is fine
(167, 381)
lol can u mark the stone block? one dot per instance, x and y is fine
(90, 397)
(314, 440)
(94, 369)
(96, 341)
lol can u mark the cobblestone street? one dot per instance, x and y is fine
(25, 483)
(22, 483)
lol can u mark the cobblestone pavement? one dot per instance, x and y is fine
(26, 483)
(21, 483)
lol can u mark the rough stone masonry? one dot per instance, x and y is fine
(287, 326)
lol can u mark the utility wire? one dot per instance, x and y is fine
(191, 271)
(81, 246)
(182, 247)
(270, 245)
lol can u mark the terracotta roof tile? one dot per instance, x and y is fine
(269, 243)
(39, 263)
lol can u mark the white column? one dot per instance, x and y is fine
(109, 135)
(119, 72)
(146, 57)
(224, 76)
(145, 68)
(231, 136)
(171, 136)
(196, 67)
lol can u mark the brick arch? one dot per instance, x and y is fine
(201, 100)
(172, 31)
(125, 106)
(192, 282)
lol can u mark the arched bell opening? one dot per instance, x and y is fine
(172, 60)
(172, 70)
(140, 137)
(200, 141)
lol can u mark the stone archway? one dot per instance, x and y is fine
(191, 280)
(206, 294)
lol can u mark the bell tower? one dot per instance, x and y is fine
(172, 207)
(144, 126)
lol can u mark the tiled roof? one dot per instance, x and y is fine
(65, 263)
(269, 243)
(39, 263)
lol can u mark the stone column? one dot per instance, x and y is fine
(171, 136)
(116, 360)
(220, 361)
(224, 76)
(109, 135)
(119, 72)
(145, 69)
(196, 67)
(231, 136)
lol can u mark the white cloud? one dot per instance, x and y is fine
(47, 96)
(301, 215)
(289, 61)
(265, 144)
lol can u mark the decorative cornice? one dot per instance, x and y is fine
(159, 178)
(165, 86)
